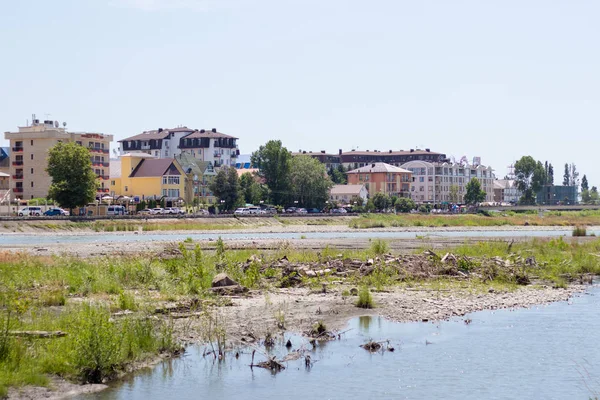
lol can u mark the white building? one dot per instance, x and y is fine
(432, 181)
(505, 191)
(205, 145)
(347, 193)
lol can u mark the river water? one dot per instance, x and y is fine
(545, 352)
(37, 239)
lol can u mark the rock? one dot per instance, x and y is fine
(370, 261)
(491, 290)
(354, 291)
(229, 290)
(311, 273)
(222, 279)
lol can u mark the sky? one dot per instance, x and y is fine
(494, 79)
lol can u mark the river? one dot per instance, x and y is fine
(545, 352)
(42, 239)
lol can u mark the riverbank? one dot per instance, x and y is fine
(166, 296)
(357, 222)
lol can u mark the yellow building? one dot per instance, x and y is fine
(141, 175)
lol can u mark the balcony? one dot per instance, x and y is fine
(17, 176)
(216, 154)
(17, 149)
(18, 190)
(104, 177)
(103, 190)
(17, 163)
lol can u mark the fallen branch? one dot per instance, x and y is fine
(38, 334)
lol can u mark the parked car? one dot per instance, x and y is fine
(313, 211)
(173, 210)
(202, 212)
(254, 210)
(270, 210)
(339, 211)
(30, 211)
(158, 210)
(302, 211)
(145, 211)
(241, 211)
(116, 210)
(290, 210)
(56, 211)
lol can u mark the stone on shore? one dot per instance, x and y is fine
(223, 279)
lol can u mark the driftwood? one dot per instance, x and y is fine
(38, 334)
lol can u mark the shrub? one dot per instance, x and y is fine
(127, 302)
(380, 246)
(365, 299)
(579, 231)
(404, 204)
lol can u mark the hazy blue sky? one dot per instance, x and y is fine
(496, 79)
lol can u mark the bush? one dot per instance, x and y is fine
(579, 231)
(404, 204)
(365, 299)
(380, 246)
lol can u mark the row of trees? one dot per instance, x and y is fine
(281, 180)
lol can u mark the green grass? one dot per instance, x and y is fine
(579, 231)
(365, 298)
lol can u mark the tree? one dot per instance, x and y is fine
(574, 175)
(252, 191)
(274, 162)
(226, 187)
(381, 201)
(404, 204)
(74, 183)
(550, 174)
(530, 178)
(567, 176)
(338, 175)
(454, 194)
(585, 196)
(594, 198)
(474, 193)
(584, 183)
(310, 183)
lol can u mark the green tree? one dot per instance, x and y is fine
(274, 163)
(474, 192)
(74, 183)
(310, 183)
(574, 175)
(567, 176)
(225, 186)
(586, 196)
(453, 194)
(594, 198)
(253, 192)
(338, 175)
(381, 201)
(404, 204)
(530, 178)
(550, 180)
(584, 183)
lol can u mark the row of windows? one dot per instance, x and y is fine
(170, 180)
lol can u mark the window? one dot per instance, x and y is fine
(421, 179)
(32, 142)
(32, 156)
(421, 188)
(170, 180)
(126, 188)
(113, 183)
(32, 170)
(31, 183)
(164, 192)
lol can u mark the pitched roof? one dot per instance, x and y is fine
(378, 167)
(346, 189)
(197, 167)
(208, 133)
(388, 153)
(148, 135)
(153, 167)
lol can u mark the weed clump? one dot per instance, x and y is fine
(380, 247)
(365, 299)
(579, 231)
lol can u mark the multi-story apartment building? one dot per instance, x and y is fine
(432, 182)
(356, 159)
(205, 145)
(506, 191)
(29, 151)
(382, 177)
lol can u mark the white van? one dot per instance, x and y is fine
(116, 210)
(30, 211)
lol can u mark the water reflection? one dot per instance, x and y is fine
(534, 353)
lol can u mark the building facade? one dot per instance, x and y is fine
(559, 194)
(205, 145)
(142, 176)
(432, 182)
(200, 175)
(29, 151)
(506, 191)
(347, 194)
(381, 177)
